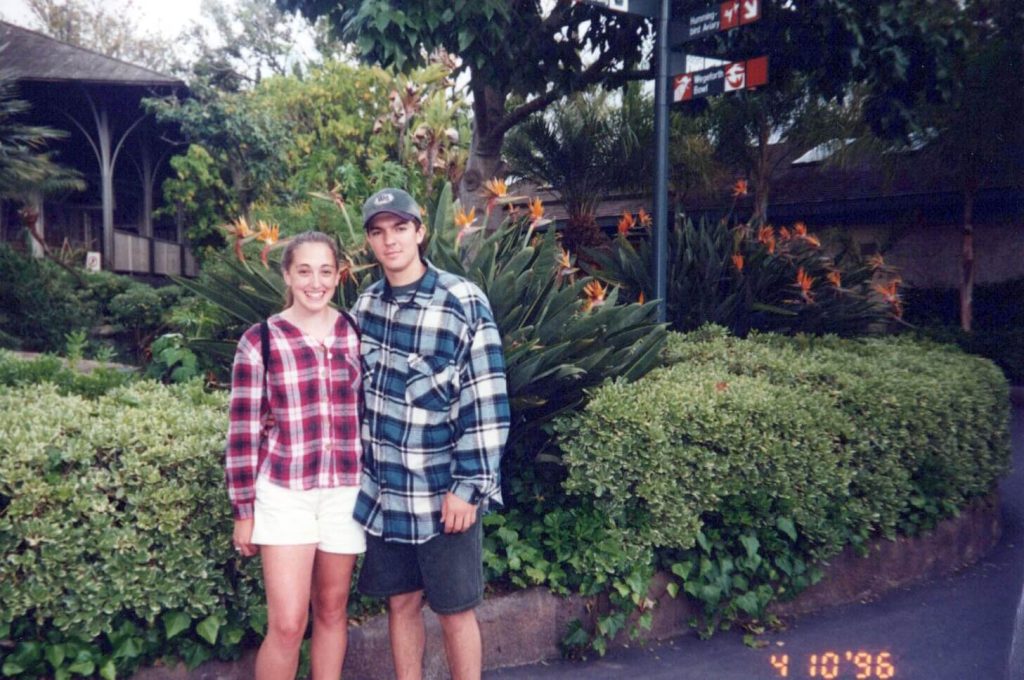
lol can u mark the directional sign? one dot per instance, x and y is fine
(723, 17)
(739, 75)
(644, 8)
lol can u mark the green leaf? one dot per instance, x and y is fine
(208, 628)
(175, 623)
(108, 671)
(55, 654)
(786, 526)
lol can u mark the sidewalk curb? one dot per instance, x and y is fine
(525, 627)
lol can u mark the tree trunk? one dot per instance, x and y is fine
(967, 262)
(485, 149)
(762, 174)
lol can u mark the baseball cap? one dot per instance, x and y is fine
(394, 201)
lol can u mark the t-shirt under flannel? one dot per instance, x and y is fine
(436, 405)
(313, 392)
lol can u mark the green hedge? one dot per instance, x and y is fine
(744, 462)
(115, 531)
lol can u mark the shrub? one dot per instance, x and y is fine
(116, 531)
(16, 372)
(39, 303)
(743, 462)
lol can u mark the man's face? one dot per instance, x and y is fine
(395, 243)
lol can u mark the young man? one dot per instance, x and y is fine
(435, 423)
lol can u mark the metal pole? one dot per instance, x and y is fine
(661, 48)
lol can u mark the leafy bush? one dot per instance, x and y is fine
(38, 303)
(15, 372)
(115, 550)
(743, 462)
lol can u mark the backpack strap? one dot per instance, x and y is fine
(352, 323)
(265, 344)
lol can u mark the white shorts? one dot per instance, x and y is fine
(295, 517)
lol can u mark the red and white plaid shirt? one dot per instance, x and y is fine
(313, 392)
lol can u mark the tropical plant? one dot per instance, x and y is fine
(562, 333)
(25, 165)
(584, 148)
(764, 278)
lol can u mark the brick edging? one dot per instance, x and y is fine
(526, 627)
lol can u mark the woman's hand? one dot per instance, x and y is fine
(242, 538)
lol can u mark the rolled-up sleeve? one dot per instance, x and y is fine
(242, 454)
(483, 421)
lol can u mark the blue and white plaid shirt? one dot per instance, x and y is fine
(437, 411)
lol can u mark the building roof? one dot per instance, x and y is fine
(29, 55)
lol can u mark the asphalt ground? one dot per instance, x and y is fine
(963, 627)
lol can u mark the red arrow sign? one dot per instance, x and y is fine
(739, 75)
(721, 17)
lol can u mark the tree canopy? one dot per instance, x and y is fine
(523, 55)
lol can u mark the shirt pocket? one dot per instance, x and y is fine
(432, 382)
(370, 364)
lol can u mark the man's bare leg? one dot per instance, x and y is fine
(462, 645)
(408, 635)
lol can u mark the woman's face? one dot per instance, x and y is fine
(312, 277)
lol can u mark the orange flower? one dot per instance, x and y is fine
(739, 188)
(269, 234)
(594, 293)
(536, 210)
(800, 229)
(626, 222)
(804, 281)
(835, 278)
(766, 236)
(784, 234)
(644, 219)
(464, 219)
(239, 228)
(640, 299)
(564, 264)
(495, 188)
(890, 293)
(812, 240)
(737, 261)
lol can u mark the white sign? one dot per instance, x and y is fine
(93, 261)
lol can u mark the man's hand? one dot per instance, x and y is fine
(456, 514)
(242, 538)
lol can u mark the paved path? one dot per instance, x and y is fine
(956, 628)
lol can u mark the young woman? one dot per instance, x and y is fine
(293, 487)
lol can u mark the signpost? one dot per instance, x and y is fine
(740, 75)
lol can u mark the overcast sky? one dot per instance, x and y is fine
(160, 16)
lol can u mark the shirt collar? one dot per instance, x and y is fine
(424, 292)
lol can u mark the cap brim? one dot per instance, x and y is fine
(397, 213)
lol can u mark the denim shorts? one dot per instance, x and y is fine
(448, 568)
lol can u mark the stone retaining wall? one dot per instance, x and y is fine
(525, 627)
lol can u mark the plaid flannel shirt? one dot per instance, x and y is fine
(313, 392)
(436, 406)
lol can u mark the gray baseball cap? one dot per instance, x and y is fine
(393, 201)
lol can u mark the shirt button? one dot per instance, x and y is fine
(323, 372)
(329, 355)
